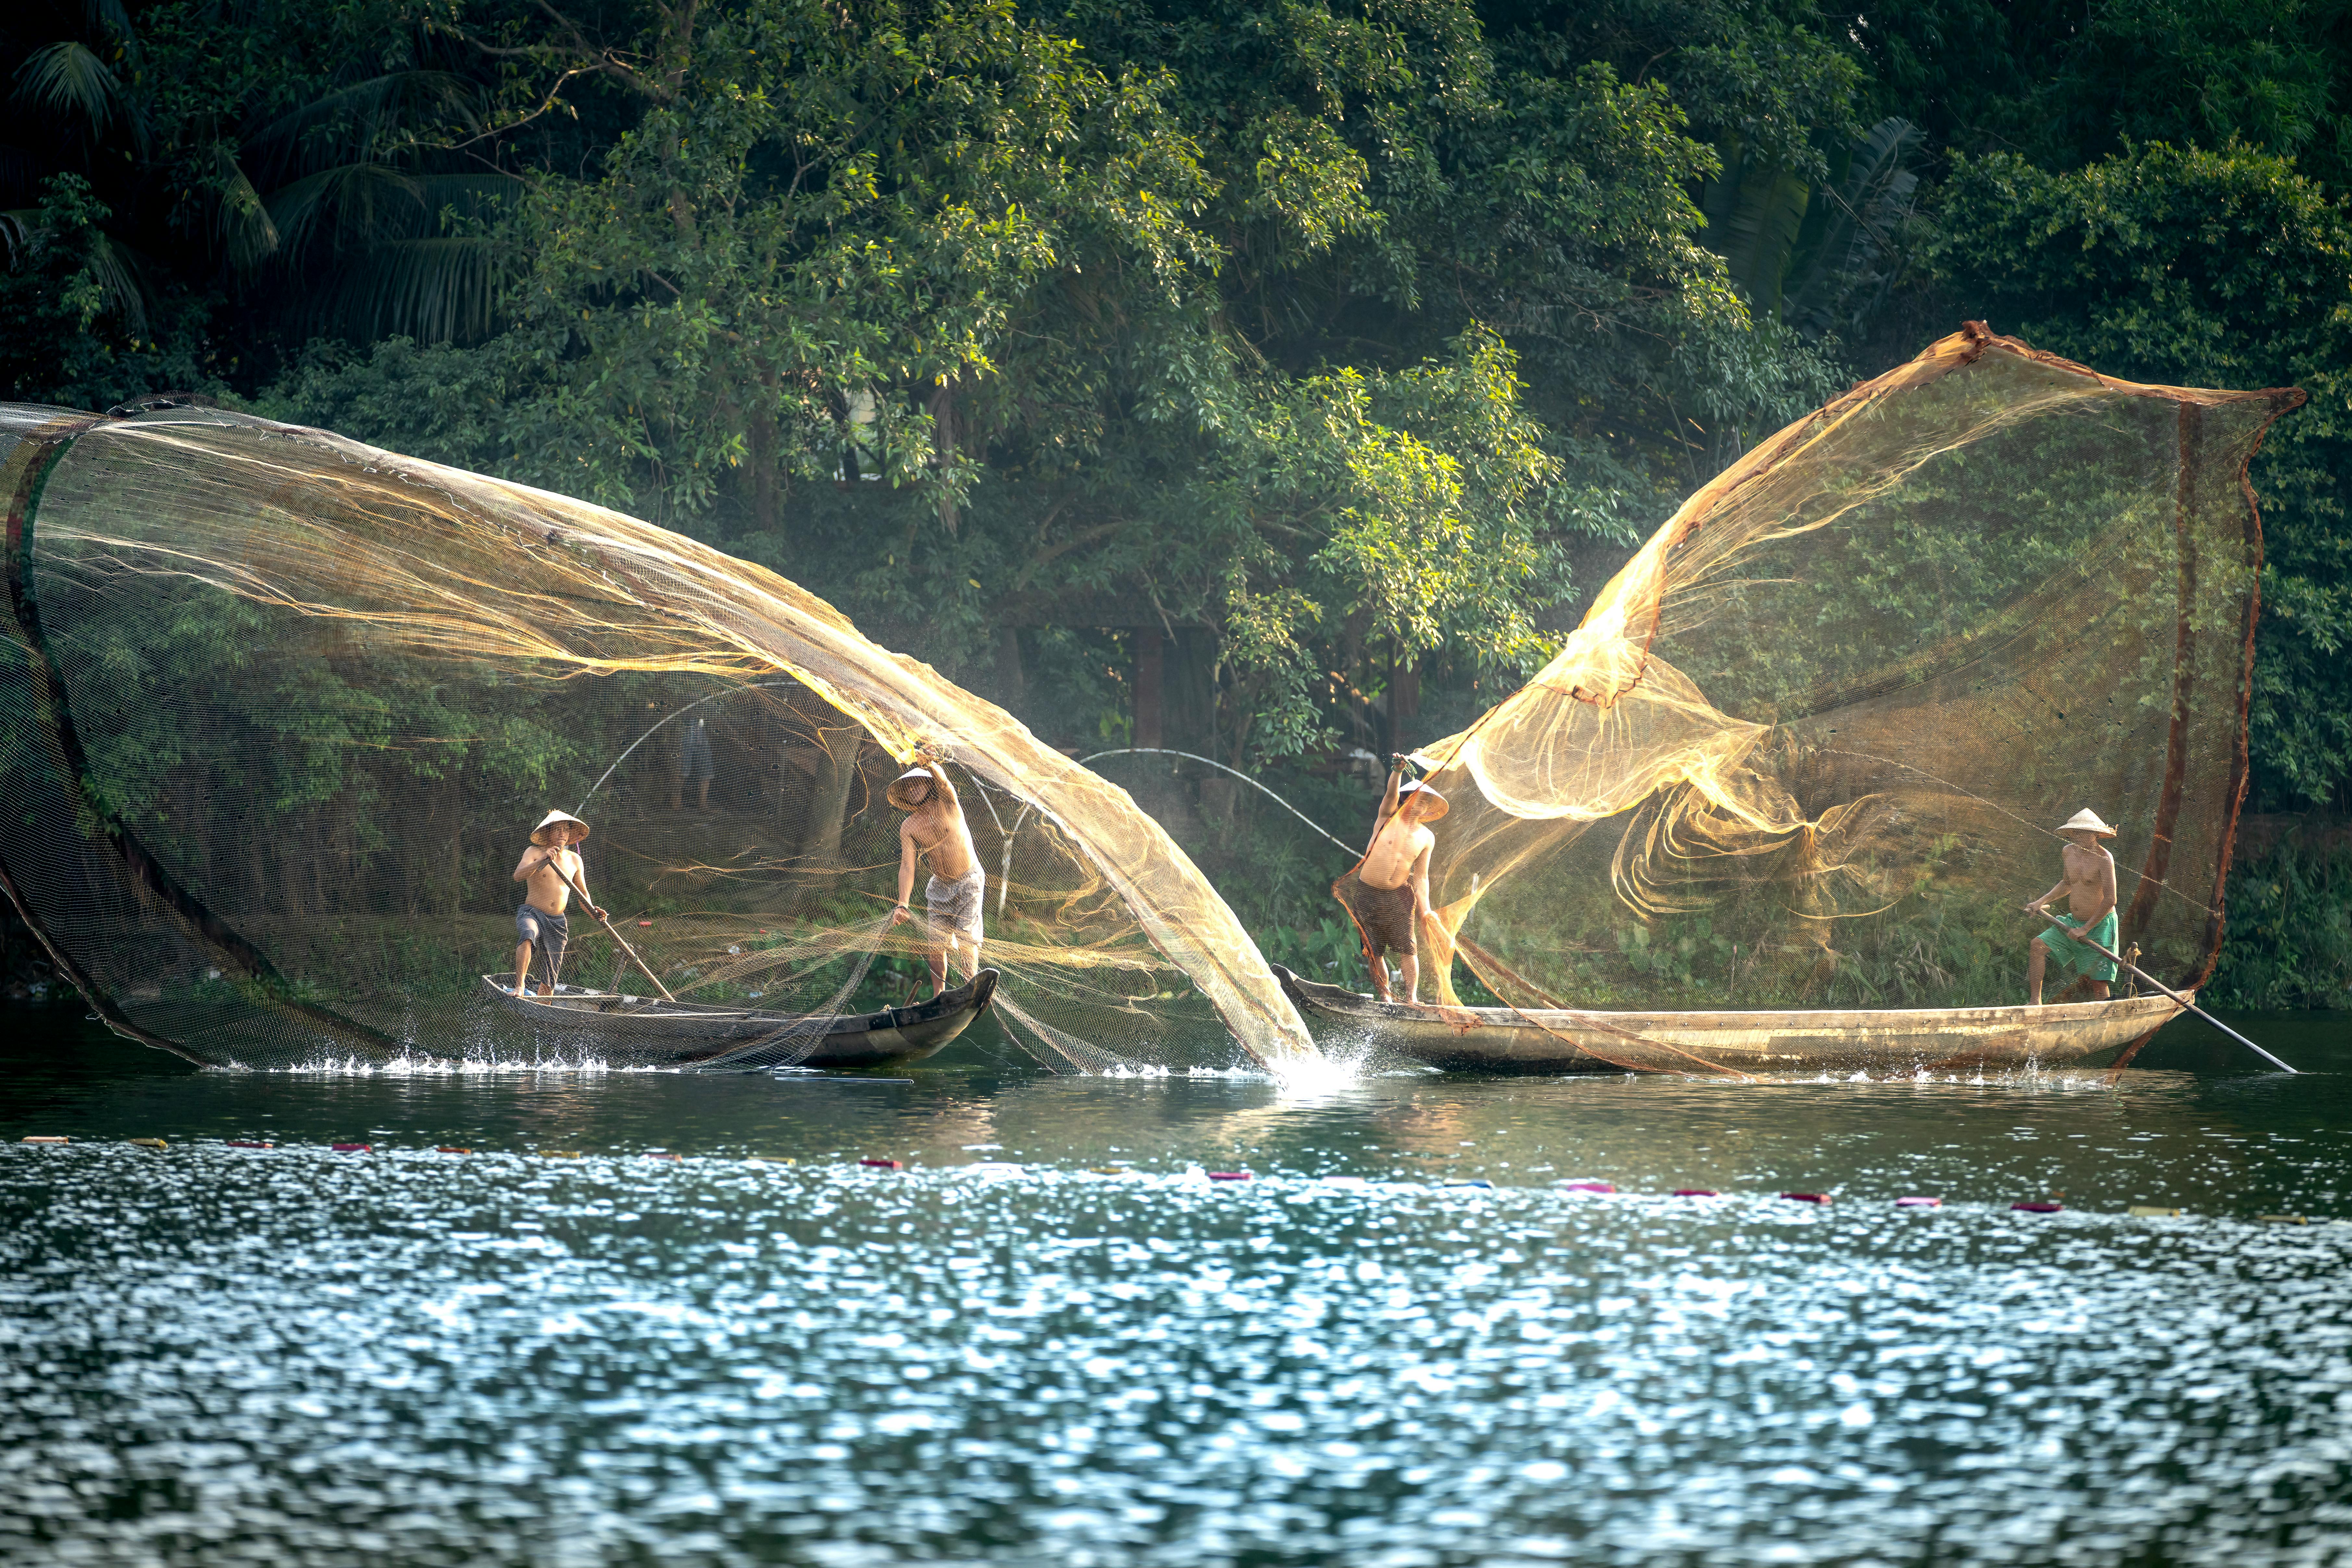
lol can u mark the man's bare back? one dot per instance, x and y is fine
(1400, 850)
(1387, 894)
(934, 831)
(938, 832)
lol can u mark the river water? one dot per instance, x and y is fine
(1050, 1338)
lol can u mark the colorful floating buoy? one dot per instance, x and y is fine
(251, 1143)
(644, 923)
(882, 1165)
(1918, 1203)
(1109, 1170)
(2152, 1211)
(2281, 1219)
(149, 1143)
(451, 1149)
(1807, 1197)
(1587, 1187)
(1696, 1192)
(1230, 1177)
(662, 1155)
(43, 1138)
(1480, 1181)
(351, 1148)
(559, 1153)
(2036, 1208)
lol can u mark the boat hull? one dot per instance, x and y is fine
(1876, 1041)
(650, 1031)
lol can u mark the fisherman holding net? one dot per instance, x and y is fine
(957, 890)
(1387, 894)
(550, 870)
(2089, 885)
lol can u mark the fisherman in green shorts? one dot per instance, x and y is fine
(2090, 889)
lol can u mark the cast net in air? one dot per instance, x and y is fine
(278, 712)
(1809, 748)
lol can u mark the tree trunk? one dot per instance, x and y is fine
(944, 436)
(820, 848)
(1190, 690)
(1012, 686)
(1150, 662)
(761, 437)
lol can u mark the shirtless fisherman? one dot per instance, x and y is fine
(540, 924)
(935, 827)
(1387, 892)
(2090, 889)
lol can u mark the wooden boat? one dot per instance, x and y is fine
(1876, 1041)
(648, 1030)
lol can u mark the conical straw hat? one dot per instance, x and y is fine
(896, 794)
(2086, 819)
(538, 834)
(1439, 806)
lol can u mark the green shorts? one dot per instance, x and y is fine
(2069, 956)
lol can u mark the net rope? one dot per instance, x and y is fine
(278, 708)
(1812, 745)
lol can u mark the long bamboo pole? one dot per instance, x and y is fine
(591, 905)
(2177, 997)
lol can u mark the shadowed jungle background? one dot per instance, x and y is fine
(1272, 382)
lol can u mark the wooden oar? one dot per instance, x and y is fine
(2084, 939)
(590, 904)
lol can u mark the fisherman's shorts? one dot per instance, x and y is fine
(548, 935)
(1383, 915)
(694, 757)
(955, 907)
(2069, 956)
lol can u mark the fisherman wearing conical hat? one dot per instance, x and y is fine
(958, 889)
(2089, 885)
(1387, 895)
(550, 869)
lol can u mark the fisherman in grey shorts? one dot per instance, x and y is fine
(540, 928)
(935, 829)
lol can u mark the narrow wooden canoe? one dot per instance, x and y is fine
(648, 1030)
(1877, 1041)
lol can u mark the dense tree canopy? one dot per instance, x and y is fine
(1319, 353)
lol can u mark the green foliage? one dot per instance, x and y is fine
(2290, 932)
(82, 331)
(2222, 268)
(1356, 337)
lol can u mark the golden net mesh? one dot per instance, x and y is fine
(1812, 745)
(278, 710)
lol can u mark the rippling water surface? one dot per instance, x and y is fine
(1051, 1338)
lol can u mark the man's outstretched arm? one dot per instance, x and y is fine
(939, 783)
(900, 914)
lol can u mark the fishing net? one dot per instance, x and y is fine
(278, 712)
(1811, 746)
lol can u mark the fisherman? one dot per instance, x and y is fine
(2089, 885)
(540, 924)
(1387, 894)
(957, 890)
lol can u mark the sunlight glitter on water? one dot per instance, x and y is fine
(1051, 1338)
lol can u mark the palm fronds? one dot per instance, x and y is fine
(67, 78)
